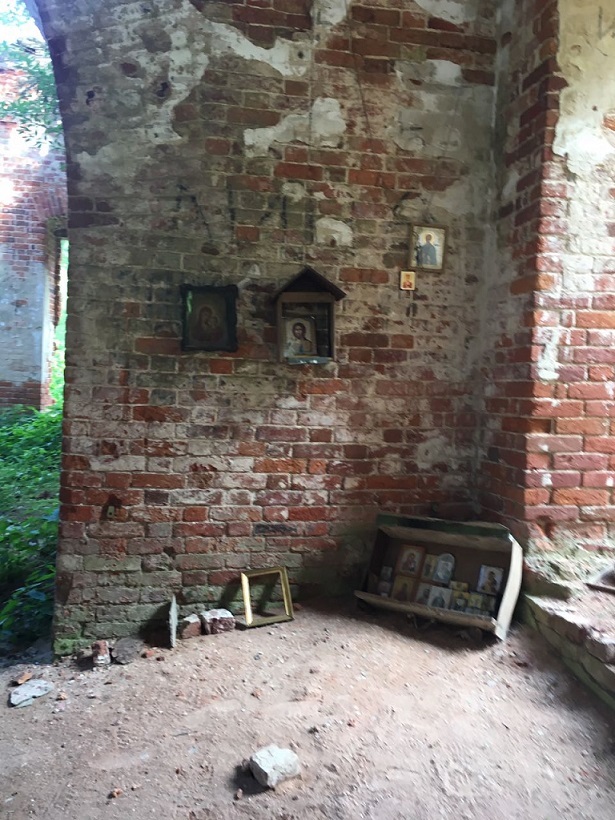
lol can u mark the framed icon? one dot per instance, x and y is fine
(409, 560)
(407, 280)
(427, 247)
(209, 317)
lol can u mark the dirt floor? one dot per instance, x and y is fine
(390, 722)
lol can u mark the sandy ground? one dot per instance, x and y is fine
(390, 723)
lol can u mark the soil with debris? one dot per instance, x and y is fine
(597, 607)
(390, 722)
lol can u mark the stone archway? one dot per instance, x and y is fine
(33, 206)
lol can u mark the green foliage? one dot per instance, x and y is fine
(27, 575)
(30, 444)
(56, 382)
(29, 473)
(35, 105)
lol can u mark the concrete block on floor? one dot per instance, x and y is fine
(272, 765)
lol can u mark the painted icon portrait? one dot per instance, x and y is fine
(427, 247)
(299, 337)
(209, 318)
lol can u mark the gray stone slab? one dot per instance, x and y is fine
(173, 621)
(126, 650)
(25, 694)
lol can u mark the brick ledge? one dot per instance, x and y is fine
(588, 651)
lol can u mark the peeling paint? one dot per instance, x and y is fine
(323, 126)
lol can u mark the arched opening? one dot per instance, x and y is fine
(33, 278)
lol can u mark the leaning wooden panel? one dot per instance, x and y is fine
(511, 590)
(250, 619)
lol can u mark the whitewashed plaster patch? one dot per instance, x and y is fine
(509, 189)
(333, 232)
(290, 59)
(586, 56)
(434, 450)
(323, 126)
(295, 191)
(437, 125)
(329, 12)
(455, 11)
(184, 64)
(439, 72)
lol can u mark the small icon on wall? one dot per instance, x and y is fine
(407, 280)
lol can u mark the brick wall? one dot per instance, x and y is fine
(233, 143)
(278, 137)
(32, 191)
(548, 466)
(574, 311)
(517, 410)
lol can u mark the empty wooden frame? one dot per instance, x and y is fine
(250, 618)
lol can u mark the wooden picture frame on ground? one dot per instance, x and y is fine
(261, 620)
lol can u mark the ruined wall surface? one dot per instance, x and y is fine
(550, 393)
(575, 342)
(32, 190)
(232, 143)
(519, 411)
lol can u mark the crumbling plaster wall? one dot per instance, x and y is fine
(527, 102)
(580, 349)
(547, 436)
(234, 143)
(32, 191)
(575, 353)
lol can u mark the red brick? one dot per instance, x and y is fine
(581, 497)
(554, 444)
(591, 391)
(157, 346)
(324, 386)
(580, 461)
(247, 233)
(366, 275)
(290, 170)
(215, 146)
(596, 318)
(378, 16)
(157, 480)
(599, 444)
(598, 479)
(152, 413)
(221, 366)
(280, 465)
(581, 426)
